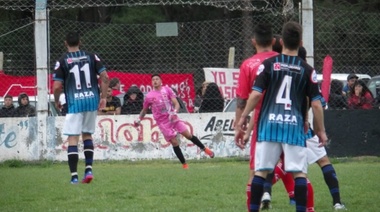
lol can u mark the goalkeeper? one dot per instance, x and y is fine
(164, 105)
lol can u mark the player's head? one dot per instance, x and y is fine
(263, 35)
(302, 53)
(277, 47)
(292, 35)
(72, 39)
(156, 81)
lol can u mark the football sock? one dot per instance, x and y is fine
(248, 193)
(197, 142)
(88, 148)
(278, 173)
(332, 182)
(300, 193)
(288, 181)
(268, 183)
(257, 190)
(73, 157)
(310, 197)
(179, 154)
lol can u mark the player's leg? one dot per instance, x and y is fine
(181, 128)
(89, 120)
(296, 162)
(331, 180)
(310, 197)
(251, 170)
(170, 135)
(266, 157)
(73, 127)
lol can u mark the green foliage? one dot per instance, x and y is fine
(139, 15)
(162, 185)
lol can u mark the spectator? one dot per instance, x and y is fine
(199, 96)
(113, 105)
(351, 79)
(133, 101)
(24, 109)
(360, 96)
(336, 99)
(8, 108)
(115, 85)
(213, 100)
(182, 105)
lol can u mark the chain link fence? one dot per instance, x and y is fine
(131, 51)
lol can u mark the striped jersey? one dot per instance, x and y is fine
(287, 81)
(79, 73)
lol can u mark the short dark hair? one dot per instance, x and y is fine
(156, 75)
(277, 44)
(263, 34)
(114, 82)
(8, 96)
(302, 53)
(292, 35)
(73, 38)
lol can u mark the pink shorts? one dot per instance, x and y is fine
(170, 129)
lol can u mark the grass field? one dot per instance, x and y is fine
(162, 185)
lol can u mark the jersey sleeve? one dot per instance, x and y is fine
(263, 77)
(147, 102)
(99, 67)
(58, 74)
(244, 84)
(312, 90)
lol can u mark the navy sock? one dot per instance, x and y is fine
(268, 183)
(332, 182)
(300, 193)
(88, 148)
(73, 157)
(257, 190)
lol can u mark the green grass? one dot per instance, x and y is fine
(162, 185)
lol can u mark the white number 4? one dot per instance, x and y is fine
(283, 95)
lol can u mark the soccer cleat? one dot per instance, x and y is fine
(339, 207)
(185, 166)
(209, 152)
(292, 201)
(74, 181)
(265, 201)
(88, 177)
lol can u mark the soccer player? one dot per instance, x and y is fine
(287, 80)
(76, 71)
(262, 42)
(161, 100)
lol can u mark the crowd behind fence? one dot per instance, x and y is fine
(134, 49)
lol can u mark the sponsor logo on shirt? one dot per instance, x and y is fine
(282, 118)
(69, 60)
(276, 66)
(83, 95)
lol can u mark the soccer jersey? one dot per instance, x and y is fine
(286, 80)
(160, 102)
(78, 71)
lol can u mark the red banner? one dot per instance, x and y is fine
(327, 70)
(182, 83)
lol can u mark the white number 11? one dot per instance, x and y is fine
(86, 69)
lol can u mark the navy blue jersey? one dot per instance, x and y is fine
(287, 81)
(79, 73)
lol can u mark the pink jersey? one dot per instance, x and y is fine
(160, 101)
(248, 73)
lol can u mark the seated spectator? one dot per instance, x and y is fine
(113, 105)
(351, 79)
(182, 105)
(24, 108)
(336, 99)
(133, 101)
(213, 100)
(199, 96)
(8, 108)
(115, 85)
(360, 96)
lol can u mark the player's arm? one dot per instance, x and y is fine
(175, 104)
(103, 89)
(249, 128)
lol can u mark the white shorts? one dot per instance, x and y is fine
(268, 153)
(314, 153)
(78, 123)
